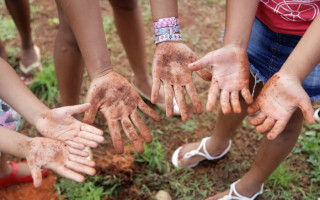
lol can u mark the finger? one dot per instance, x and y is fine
(259, 119)
(80, 168)
(225, 102)
(192, 92)
(202, 63)
(85, 142)
(266, 126)
(132, 135)
(205, 74)
(91, 129)
(90, 114)
(81, 160)
(253, 108)
(155, 90)
(307, 110)
(75, 145)
(138, 122)
(78, 152)
(235, 102)
(36, 175)
(148, 111)
(277, 129)
(247, 95)
(212, 96)
(69, 174)
(179, 94)
(168, 91)
(115, 134)
(76, 109)
(91, 137)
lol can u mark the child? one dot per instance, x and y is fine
(56, 123)
(30, 53)
(274, 35)
(109, 92)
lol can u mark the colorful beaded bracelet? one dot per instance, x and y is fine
(166, 22)
(167, 30)
(168, 37)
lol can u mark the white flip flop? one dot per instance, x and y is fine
(316, 115)
(233, 194)
(197, 152)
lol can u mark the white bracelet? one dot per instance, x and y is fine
(167, 30)
(167, 37)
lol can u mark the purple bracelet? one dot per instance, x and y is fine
(166, 22)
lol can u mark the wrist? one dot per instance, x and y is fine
(25, 146)
(101, 74)
(167, 30)
(283, 74)
(99, 71)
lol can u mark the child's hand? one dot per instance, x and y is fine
(170, 65)
(277, 101)
(60, 124)
(230, 74)
(118, 101)
(45, 153)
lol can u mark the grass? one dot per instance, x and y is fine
(46, 86)
(94, 188)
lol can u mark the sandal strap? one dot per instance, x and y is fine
(206, 154)
(234, 194)
(14, 171)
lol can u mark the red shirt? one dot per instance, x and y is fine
(288, 16)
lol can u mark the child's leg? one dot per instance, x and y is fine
(3, 53)
(68, 62)
(129, 24)
(20, 12)
(271, 153)
(224, 130)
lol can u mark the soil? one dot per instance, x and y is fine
(201, 25)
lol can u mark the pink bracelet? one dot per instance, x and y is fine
(167, 37)
(166, 22)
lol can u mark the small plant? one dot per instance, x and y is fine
(45, 85)
(153, 156)
(94, 188)
(188, 126)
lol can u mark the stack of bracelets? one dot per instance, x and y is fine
(167, 29)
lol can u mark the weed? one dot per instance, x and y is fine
(153, 156)
(94, 188)
(53, 21)
(188, 126)
(45, 86)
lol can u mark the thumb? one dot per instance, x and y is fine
(78, 108)
(36, 175)
(307, 110)
(90, 114)
(202, 63)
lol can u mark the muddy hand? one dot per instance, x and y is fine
(60, 124)
(277, 101)
(118, 101)
(45, 153)
(170, 65)
(230, 75)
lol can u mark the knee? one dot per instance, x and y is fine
(126, 5)
(66, 40)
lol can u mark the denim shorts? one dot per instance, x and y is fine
(268, 50)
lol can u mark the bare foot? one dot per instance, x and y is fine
(213, 148)
(28, 57)
(23, 170)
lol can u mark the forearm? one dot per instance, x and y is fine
(306, 54)
(164, 9)
(18, 96)
(12, 142)
(85, 20)
(239, 21)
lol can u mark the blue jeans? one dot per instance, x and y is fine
(268, 50)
